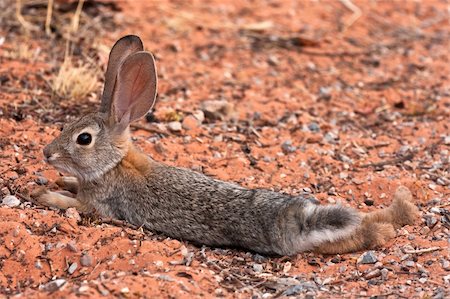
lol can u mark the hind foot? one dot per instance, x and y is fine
(404, 212)
(377, 234)
(401, 212)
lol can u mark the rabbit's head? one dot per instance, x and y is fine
(94, 144)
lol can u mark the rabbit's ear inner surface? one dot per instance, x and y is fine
(135, 89)
(123, 48)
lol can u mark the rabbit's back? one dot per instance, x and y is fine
(191, 206)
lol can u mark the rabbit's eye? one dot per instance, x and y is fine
(84, 139)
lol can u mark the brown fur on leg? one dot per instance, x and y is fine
(401, 212)
(377, 227)
(369, 235)
(68, 183)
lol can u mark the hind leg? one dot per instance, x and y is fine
(400, 213)
(370, 235)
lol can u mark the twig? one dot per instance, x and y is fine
(389, 162)
(353, 8)
(424, 250)
(20, 17)
(48, 19)
(149, 129)
(76, 16)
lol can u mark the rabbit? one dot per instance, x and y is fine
(111, 176)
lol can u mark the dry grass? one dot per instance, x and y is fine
(22, 51)
(75, 81)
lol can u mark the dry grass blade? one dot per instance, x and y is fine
(74, 81)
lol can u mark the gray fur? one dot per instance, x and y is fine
(121, 182)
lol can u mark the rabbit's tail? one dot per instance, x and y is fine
(321, 224)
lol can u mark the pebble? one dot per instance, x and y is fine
(5, 191)
(431, 221)
(174, 126)
(54, 285)
(72, 268)
(373, 274)
(11, 201)
(84, 289)
(72, 246)
(86, 260)
(410, 264)
(41, 181)
(216, 109)
(447, 140)
(72, 213)
(199, 115)
(38, 264)
(384, 273)
(445, 265)
(190, 122)
(287, 147)
(424, 230)
(258, 268)
(369, 201)
(330, 137)
(368, 257)
(435, 210)
(314, 127)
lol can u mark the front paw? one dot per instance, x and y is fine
(68, 183)
(41, 196)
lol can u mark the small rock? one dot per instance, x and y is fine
(86, 260)
(125, 290)
(72, 213)
(373, 274)
(369, 201)
(199, 115)
(411, 237)
(287, 147)
(54, 285)
(217, 109)
(447, 140)
(384, 273)
(424, 230)
(314, 127)
(41, 181)
(330, 137)
(38, 264)
(445, 265)
(431, 221)
(72, 268)
(159, 148)
(258, 268)
(72, 246)
(11, 201)
(190, 122)
(435, 210)
(5, 191)
(84, 289)
(410, 264)
(174, 126)
(368, 258)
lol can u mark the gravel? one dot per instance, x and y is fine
(368, 257)
(11, 201)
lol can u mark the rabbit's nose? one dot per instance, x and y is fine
(47, 153)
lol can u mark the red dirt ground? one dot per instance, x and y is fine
(347, 111)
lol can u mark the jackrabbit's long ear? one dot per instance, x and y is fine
(135, 89)
(123, 48)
